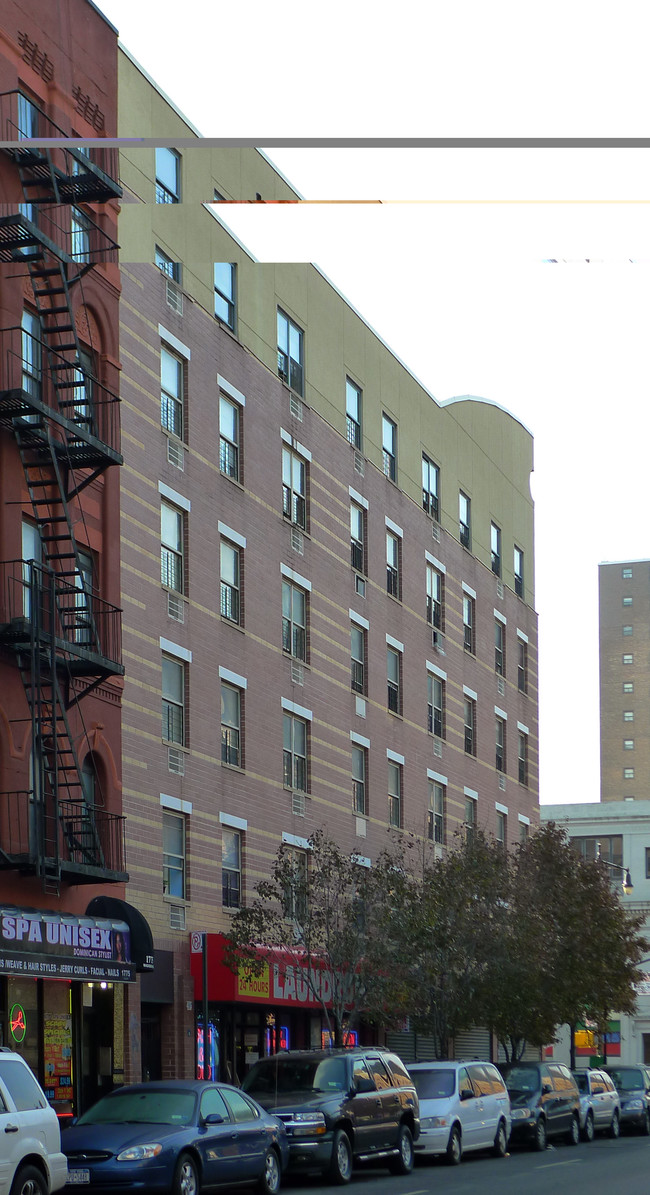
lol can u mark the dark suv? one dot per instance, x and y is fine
(340, 1107)
(544, 1102)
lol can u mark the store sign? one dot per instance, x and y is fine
(17, 1022)
(61, 946)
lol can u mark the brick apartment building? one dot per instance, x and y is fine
(624, 638)
(328, 585)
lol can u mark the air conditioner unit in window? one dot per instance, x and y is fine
(177, 916)
(359, 464)
(296, 408)
(502, 783)
(176, 761)
(437, 748)
(176, 455)
(297, 541)
(174, 297)
(298, 804)
(297, 674)
(175, 607)
(438, 641)
(499, 589)
(435, 532)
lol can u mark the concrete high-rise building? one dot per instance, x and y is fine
(624, 643)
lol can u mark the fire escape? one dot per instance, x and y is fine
(65, 639)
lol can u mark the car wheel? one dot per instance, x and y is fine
(454, 1147)
(588, 1131)
(271, 1177)
(615, 1126)
(339, 1170)
(500, 1147)
(28, 1181)
(539, 1142)
(403, 1163)
(573, 1135)
(186, 1177)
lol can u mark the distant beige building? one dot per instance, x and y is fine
(624, 642)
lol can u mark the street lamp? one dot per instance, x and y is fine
(627, 885)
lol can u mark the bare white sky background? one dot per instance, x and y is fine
(457, 287)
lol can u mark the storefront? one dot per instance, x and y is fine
(62, 998)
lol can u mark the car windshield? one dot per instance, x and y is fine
(627, 1078)
(522, 1078)
(280, 1074)
(142, 1107)
(434, 1084)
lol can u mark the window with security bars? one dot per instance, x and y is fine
(522, 665)
(231, 725)
(171, 268)
(495, 549)
(358, 658)
(357, 537)
(168, 175)
(523, 758)
(230, 580)
(294, 488)
(469, 608)
(430, 487)
(469, 710)
(294, 753)
(171, 392)
(231, 868)
(393, 668)
(173, 701)
(290, 353)
(499, 648)
(229, 438)
(174, 864)
(171, 550)
(435, 705)
(389, 447)
(500, 745)
(464, 516)
(435, 607)
(294, 621)
(395, 795)
(224, 292)
(436, 813)
(393, 577)
(519, 571)
(359, 769)
(471, 818)
(353, 413)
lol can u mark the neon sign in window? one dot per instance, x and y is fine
(17, 1022)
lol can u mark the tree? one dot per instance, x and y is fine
(330, 916)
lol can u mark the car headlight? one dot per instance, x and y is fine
(634, 1104)
(139, 1153)
(521, 1113)
(434, 1122)
(308, 1123)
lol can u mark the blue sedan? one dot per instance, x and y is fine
(175, 1137)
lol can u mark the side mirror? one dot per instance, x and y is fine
(363, 1086)
(213, 1118)
(546, 1088)
(466, 1094)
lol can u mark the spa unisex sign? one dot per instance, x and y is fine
(44, 944)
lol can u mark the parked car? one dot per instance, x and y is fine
(463, 1106)
(544, 1102)
(339, 1107)
(31, 1161)
(175, 1136)
(633, 1086)
(600, 1105)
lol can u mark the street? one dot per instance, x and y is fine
(600, 1167)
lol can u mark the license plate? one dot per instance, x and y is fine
(78, 1176)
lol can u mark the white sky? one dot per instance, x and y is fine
(451, 272)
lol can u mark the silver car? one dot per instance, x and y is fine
(463, 1106)
(600, 1104)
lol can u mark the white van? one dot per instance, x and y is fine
(463, 1106)
(31, 1162)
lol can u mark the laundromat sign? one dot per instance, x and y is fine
(285, 983)
(43, 944)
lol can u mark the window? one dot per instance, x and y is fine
(171, 268)
(524, 830)
(628, 715)
(173, 701)
(82, 393)
(500, 758)
(495, 549)
(435, 705)
(294, 488)
(294, 621)
(523, 758)
(628, 686)
(628, 773)
(470, 818)
(290, 353)
(628, 630)
(231, 885)
(83, 601)
(647, 862)
(231, 725)
(522, 665)
(395, 795)
(393, 674)
(435, 608)
(430, 487)
(393, 577)
(609, 846)
(519, 572)
(464, 512)
(171, 550)
(353, 413)
(168, 176)
(230, 603)
(359, 769)
(171, 393)
(296, 893)
(470, 725)
(224, 292)
(173, 832)
(27, 119)
(628, 658)
(628, 744)
(499, 647)
(627, 601)
(358, 658)
(389, 447)
(502, 828)
(31, 355)
(229, 423)
(295, 752)
(358, 537)
(626, 574)
(80, 227)
(436, 813)
(468, 623)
